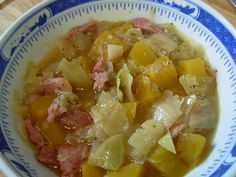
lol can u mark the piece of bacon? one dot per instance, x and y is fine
(48, 156)
(75, 119)
(83, 29)
(70, 158)
(100, 75)
(55, 84)
(34, 133)
(146, 26)
(100, 80)
(100, 66)
(178, 127)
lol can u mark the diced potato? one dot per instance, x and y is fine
(163, 72)
(130, 109)
(167, 163)
(178, 89)
(99, 47)
(114, 51)
(39, 108)
(131, 170)
(194, 66)
(121, 29)
(110, 154)
(77, 78)
(167, 142)
(91, 171)
(142, 54)
(145, 89)
(190, 147)
(54, 132)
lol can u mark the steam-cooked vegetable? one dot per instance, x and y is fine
(167, 142)
(131, 170)
(161, 44)
(145, 138)
(163, 72)
(198, 85)
(194, 66)
(167, 110)
(78, 78)
(204, 116)
(110, 154)
(167, 162)
(124, 80)
(190, 147)
(91, 170)
(110, 114)
(130, 110)
(142, 54)
(145, 89)
(114, 51)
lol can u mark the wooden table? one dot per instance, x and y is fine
(11, 9)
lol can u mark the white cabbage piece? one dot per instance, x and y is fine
(110, 114)
(205, 116)
(114, 51)
(187, 105)
(124, 81)
(145, 138)
(198, 85)
(167, 110)
(132, 36)
(167, 142)
(161, 43)
(75, 73)
(110, 154)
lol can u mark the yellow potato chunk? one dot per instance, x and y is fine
(167, 162)
(142, 54)
(131, 170)
(163, 72)
(130, 110)
(121, 29)
(54, 132)
(99, 47)
(91, 171)
(190, 147)
(145, 89)
(178, 89)
(194, 66)
(39, 108)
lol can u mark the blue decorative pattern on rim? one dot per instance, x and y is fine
(42, 26)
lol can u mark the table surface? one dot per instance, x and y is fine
(11, 9)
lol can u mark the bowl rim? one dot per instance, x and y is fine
(26, 15)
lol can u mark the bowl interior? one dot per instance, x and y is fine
(32, 37)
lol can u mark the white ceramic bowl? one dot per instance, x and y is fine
(32, 35)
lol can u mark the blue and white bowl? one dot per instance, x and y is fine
(32, 35)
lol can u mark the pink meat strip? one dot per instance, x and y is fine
(178, 127)
(55, 84)
(146, 26)
(83, 29)
(100, 76)
(53, 110)
(75, 119)
(48, 156)
(70, 158)
(35, 135)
